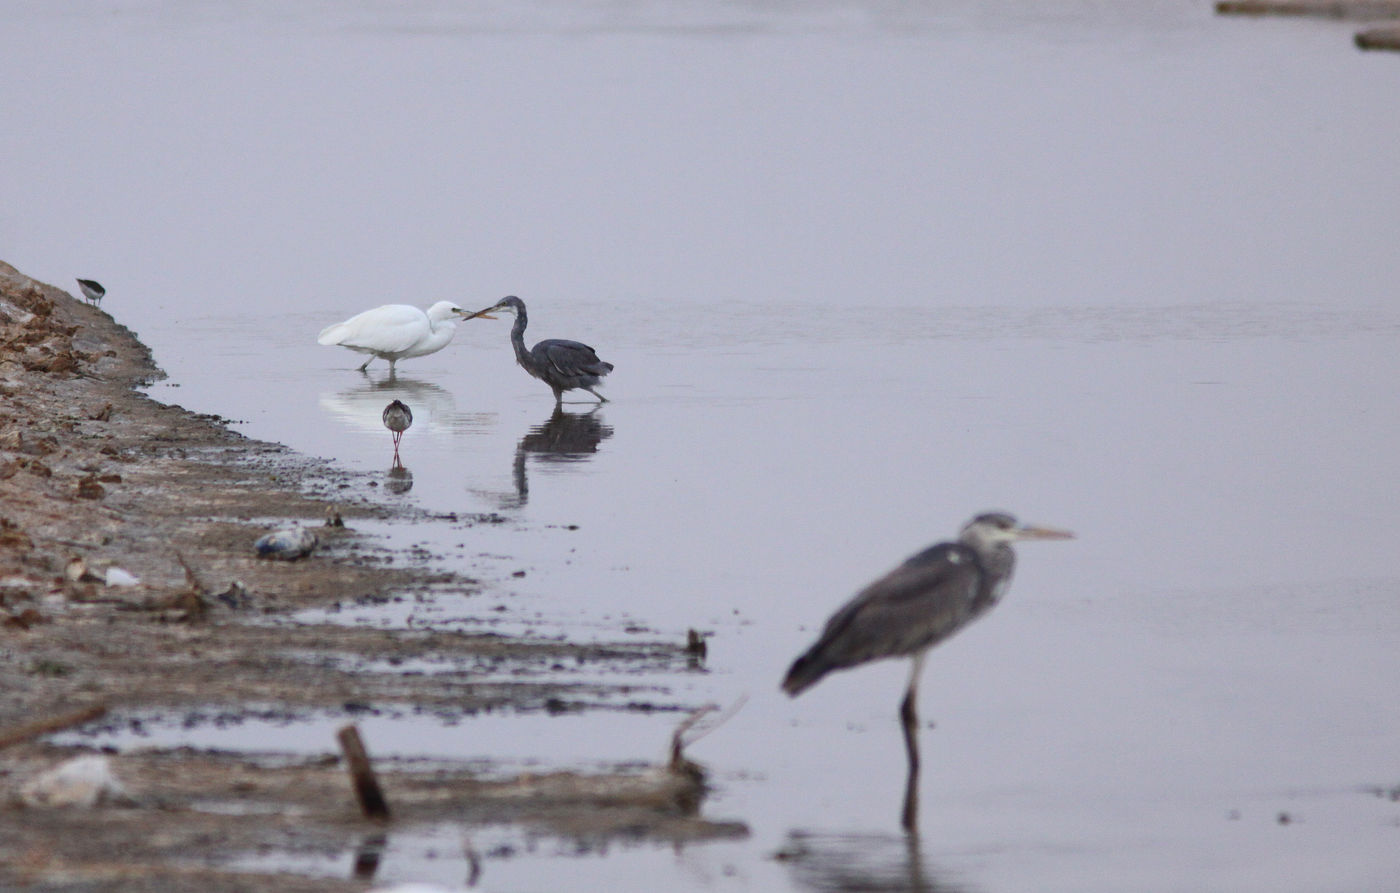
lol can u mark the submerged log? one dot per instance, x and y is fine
(51, 724)
(367, 790)
(1382, 38)
(1329, 9)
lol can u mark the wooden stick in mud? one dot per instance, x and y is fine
(52, 724)
(367, 790)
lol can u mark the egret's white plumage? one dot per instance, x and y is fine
(395, 331)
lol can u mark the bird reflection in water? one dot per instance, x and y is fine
(564, 437)
(399, 478)
(870, 863)
(362, 407)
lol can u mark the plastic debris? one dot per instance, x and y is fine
(118, 577)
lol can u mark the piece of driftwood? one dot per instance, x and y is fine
(1382, 38)
(51, 724)
(1327, 9)
(367, 790)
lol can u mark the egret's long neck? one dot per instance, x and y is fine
(517, 336)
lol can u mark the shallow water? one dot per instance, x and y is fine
(864, 269)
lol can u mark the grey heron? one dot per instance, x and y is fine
(912, 608)
(92, 290)
(561, 364)
(397, 418)
(396, 331)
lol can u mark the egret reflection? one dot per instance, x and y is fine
(564, 437)
(361, 407)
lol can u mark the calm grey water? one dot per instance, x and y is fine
(864, 269)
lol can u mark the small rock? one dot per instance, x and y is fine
(118, 577)
(82, 781)
(89, 488)
(236, 596)
(286, 545)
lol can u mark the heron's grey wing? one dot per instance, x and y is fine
(570, 358)
(916, 605)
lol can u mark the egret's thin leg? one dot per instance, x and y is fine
(365, 365)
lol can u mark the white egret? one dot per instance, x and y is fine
(395, 331)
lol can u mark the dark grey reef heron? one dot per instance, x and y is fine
(563, 365)
(398, 418)
(92, 290)
(914, 607)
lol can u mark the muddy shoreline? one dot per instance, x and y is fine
(94, 475)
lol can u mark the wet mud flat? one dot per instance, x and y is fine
(95, 476)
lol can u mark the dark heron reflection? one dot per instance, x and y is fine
(925, 600)
(861, 863)
(564, 437)
(562, 364)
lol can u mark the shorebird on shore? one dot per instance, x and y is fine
(398, 418)
(914, 607)
(396, 331)
(92, 290)
(561, 364)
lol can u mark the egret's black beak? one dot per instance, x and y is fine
(480, 314)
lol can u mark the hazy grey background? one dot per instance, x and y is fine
(864, 269)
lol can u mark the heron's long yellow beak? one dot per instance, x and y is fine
(480, 314)
(1033, 532)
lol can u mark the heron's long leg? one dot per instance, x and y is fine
(909, 718)
(601, 398)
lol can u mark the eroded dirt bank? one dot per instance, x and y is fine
(94, 475)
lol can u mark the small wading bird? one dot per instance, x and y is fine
(92, 290)
(396, 331)
(563, 365)
(914, 607)
(397, 418)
